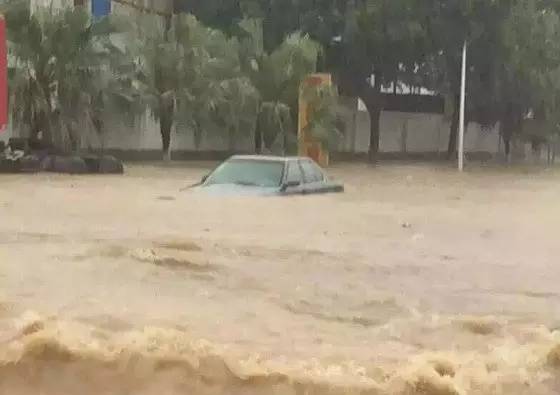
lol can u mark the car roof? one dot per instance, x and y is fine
(271, 158)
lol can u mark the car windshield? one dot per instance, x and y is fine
(248, 172)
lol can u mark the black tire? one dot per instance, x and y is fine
(19, 144)
(30, 164)
(110, 165)
(9, 166)
(69, 165)
(47, 163)
(92, 163)
(103, 164)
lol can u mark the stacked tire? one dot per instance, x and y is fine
(87, 164)
(25, 164)
(65, 164)
(23, 155)
(74, 164)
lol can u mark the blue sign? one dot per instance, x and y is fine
(100, 8)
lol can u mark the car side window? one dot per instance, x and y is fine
(311, 172)
(319, 175)
(294, 173)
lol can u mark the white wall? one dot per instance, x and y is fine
(400, 132)
(145, 136)
(413, 132)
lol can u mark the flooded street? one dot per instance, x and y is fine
(415, 281)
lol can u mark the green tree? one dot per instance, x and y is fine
(151, 78)
(379, 40)
(57, 68)
(512, 60)
(277, 77)
(479, 23)
(321, 19)
(177, 72)
(512, 53)
(281, 42)
(237, 109)
(229, 100)
(530, 76)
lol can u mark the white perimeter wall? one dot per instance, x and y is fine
(412, 132)
(400, 132)
(145, 135)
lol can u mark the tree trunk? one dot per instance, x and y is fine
(453, 130)
(506, 138)
(507, 125)
(507, 147)
(73, 143)
(257, 141)
(231, 143)
(374, 117)
(552, 146)
(166, 108)
(404, 136)
(535, 151)
(197, 135)
(165, 125)
(98, 125)
(258, 137)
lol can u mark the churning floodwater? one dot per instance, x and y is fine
(415, 281)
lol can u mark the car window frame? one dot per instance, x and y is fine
(316, 169)
(286, 171)
(319, 171)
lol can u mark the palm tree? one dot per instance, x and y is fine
(237, 109)
(235, 102)
(150, 78)
(277, 77)
(57, 68)
(182, 72)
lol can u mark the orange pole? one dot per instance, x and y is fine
(307, 146)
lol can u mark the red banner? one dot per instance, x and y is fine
(3, 76)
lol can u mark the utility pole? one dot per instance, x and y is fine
(461, 148)
(3, 76)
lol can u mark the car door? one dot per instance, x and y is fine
(294, 174)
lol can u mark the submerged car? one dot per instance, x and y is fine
(267, 175)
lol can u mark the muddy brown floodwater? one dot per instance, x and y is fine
(415, 281)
